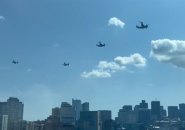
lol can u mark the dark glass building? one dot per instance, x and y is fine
(85, 106)
(155, 110)
(105, 120)
(143, 116)
(143, 104)
(182, 111)
(89, 120)
(173, 112)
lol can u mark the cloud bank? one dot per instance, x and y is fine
(169, 51)
(116, 22)
(104, 69)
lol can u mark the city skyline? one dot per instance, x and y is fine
(134, 64)
(80, 106)
(78, 116)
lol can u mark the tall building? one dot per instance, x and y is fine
(52, 123)
(3, 108)
(155, 110)
(136, 107)
(173, 112)
(85, 106)
(163, 112)
(143, 104)
(67, 114)
(105, 120)
(143, 116)
(182, 111)
(77, 107)
(126, 115)
(127, 108)
(56, 111)
(89, 120)
(14, 109)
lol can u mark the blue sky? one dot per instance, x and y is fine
(134, 65)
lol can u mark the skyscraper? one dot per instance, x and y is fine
(52, 123)
(85, 106)
(126, 115)
(173, 112)
(127, 108)
(77, 107)
(182, 111)
(155, 110)
(89, 120)
(56, 112)
(105, 120)
(143, 104)
(67, 114)
(3, 108)
(13, 108)
(143, 115)
(163, 112)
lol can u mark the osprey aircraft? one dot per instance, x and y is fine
(142, 26)
(66, 64)
(15, 62)
(100, 44)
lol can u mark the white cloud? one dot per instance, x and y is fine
(97, 74)
(109, 65)
(169, 51)
(2, 18)
(105, 69)
(134, 59)
(116, 22)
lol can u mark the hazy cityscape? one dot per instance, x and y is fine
(78, 116)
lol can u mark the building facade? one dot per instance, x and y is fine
(89, 120)
(173, 112)
(67, 114)
(13, 108)
(155, 110)
(4, 122)
(77, 105)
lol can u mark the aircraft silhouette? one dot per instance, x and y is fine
(100, 44)
(66, 64)
(15, 62)
(142, 26)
